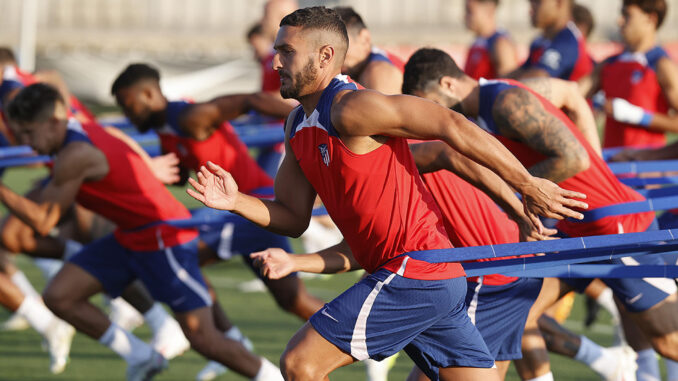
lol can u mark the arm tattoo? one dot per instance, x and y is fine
(541, 86)
(520, 116)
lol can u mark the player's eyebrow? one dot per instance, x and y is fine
(282, 46)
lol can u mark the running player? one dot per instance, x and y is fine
(546, 141)
(492, 54)
(641, 83)
(106, 176)
(561, 49)
(372, 67)
(345, 145)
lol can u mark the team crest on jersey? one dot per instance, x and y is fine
(325, 154)
(636, 76)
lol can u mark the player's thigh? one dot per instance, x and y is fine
(307, 348)
(660, 320)
(468, 374)
(552, 289)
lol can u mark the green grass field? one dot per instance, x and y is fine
(21, 357)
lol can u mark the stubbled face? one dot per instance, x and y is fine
(543, 12)
(44, 136)
(143, 105)
(634, 24)
(477, 13)
(296, 61)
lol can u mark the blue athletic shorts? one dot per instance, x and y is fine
(500, 312)
(385, 312)
(636, 294)
(171, 275)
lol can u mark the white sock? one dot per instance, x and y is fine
(125, 344)
(36, 313)
(606, 300)
(48, 267)
(268, 372)
(71, 248)
(671, 370)
(235, 334)
(648, 366)
(546, 377)
(588, 351)
(20, 280)
(155, 317)
(376, 370)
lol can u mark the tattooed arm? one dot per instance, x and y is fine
(565, 95)
(520, 116)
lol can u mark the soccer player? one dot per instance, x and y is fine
(370, 66)
(640, 84)
(492, 54)
(550, 145)
(105, 175)
(348, 146)
(561, 49)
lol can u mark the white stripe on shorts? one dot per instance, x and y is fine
(473, 306)
(359, 338)
(186, 278)
(667, 285)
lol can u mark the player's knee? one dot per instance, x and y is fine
(667, 345)
(294, 367)
(57, 300)
(10, 239)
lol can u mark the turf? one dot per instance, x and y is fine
(21, 357)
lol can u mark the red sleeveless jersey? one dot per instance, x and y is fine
(270, 79)
(601, 186)
(130, 196)
(377, 199)
(633, 76)
(223, 147)
(479, 58)
(471, 218)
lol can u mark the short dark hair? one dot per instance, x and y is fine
(496, 2)
(582, 16)
(351, 19)
(658, 7)
(133, 74)
(428, 65)
(316, 18)
(7, 56)
(255, 30)
(34, 103)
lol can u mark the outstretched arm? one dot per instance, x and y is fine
(367, 113)
(276, 263)
(201, 119)
(75, 164)
(436, 155)
(665, 153)
(288, 214)
(566, 96)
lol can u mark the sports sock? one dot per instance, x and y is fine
(125, 344)
(268, 372)
(648, 366)
(601, 360)
(20, 280)
(234, 334)
(48, 267)
(606, 300)
(155, 317)
(671, 370)
(546, 377)
(36, 313)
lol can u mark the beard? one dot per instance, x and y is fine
(307, 75)
(155, 119)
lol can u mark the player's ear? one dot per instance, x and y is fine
(364, 37)
(447, 83)
(326, 55)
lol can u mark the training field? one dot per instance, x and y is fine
(21, 357)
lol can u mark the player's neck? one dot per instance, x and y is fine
(552, 30)
(310, 101)
(644, 44)
(487, 29)
(469, 103)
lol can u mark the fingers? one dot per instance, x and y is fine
(202, 179)
(572, 194)
(196, 195)
(216, 169)
(570, 203)
(199, 187)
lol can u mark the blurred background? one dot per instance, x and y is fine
(201, 48)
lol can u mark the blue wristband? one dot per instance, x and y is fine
(647, 119)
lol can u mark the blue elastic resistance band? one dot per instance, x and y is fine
(635, 167)
(600, 271)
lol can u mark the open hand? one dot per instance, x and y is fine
(215, 187)
(166, 168)
(545, 198)
(273, 263)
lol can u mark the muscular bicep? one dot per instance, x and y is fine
(200, 120)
